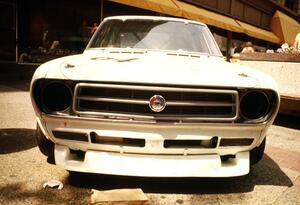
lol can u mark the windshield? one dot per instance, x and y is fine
(154, 35)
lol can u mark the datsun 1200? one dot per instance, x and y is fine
(152, 96)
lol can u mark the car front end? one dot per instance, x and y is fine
(159, 112)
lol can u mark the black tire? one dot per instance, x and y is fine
(75, 175)
(46, 146)
(257, 153)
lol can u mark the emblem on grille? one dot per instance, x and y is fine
(157, 103)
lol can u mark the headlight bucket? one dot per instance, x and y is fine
(52, 96)
(256, 105)
(56, 96)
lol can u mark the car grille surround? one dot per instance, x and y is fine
(132, 102)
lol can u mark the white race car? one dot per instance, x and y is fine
(152, 96)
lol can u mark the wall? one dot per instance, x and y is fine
(287, 76)
(256, 12)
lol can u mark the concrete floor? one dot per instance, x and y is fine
(23, 169)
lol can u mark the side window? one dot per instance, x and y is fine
(201, 41)
(101, 40)
(214, 49)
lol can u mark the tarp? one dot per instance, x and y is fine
(210, 18)
(285, 27)
(258, 32)
(188, 11)
(160, 6)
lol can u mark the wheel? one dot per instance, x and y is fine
(76, 178)
(75, 175)
(46, 146)
(257, 153)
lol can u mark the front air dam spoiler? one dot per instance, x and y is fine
(152, 165)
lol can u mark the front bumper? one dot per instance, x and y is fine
(154, 136)
(152, 165)
(152, 160)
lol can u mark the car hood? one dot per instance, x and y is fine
(155, 68)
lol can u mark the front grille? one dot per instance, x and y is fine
(132, 102)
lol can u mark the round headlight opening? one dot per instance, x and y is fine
(56, 96)
(254, 105)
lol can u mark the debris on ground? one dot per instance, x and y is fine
(119, 197)
(53, 184)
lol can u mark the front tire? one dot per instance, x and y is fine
(45, 145)
(257, 153)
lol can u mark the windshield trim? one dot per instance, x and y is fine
(144, 51)
(167, 19)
